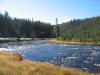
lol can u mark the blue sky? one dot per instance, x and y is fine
(49, 10)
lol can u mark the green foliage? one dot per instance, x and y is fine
(33, 35)
(23, 27)
(86, 30)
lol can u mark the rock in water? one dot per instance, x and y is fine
(18, 57)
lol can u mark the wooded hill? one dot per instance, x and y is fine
(83, 29)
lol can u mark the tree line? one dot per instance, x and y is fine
(85, 30)
(14, 27)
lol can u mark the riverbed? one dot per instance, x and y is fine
(84, 57)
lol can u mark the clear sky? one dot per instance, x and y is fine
(49, 10)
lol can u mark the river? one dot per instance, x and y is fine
(84, 57)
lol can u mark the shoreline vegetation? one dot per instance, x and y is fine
(13, 64)
(74, 42)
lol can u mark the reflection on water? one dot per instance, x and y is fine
(85, 57)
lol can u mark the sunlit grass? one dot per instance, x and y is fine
(76, 42)
(11, 65)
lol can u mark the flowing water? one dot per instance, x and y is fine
(85, 57)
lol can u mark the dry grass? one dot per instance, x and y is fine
(76, 42)
(10, 65)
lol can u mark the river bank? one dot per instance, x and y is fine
(3, 40)
(55, 41)
(12, 64)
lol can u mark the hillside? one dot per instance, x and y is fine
(12, 64)
(83, 29)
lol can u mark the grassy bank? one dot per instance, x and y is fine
(12, 64)
(75, 42)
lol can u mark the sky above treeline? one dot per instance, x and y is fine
(49, 10)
